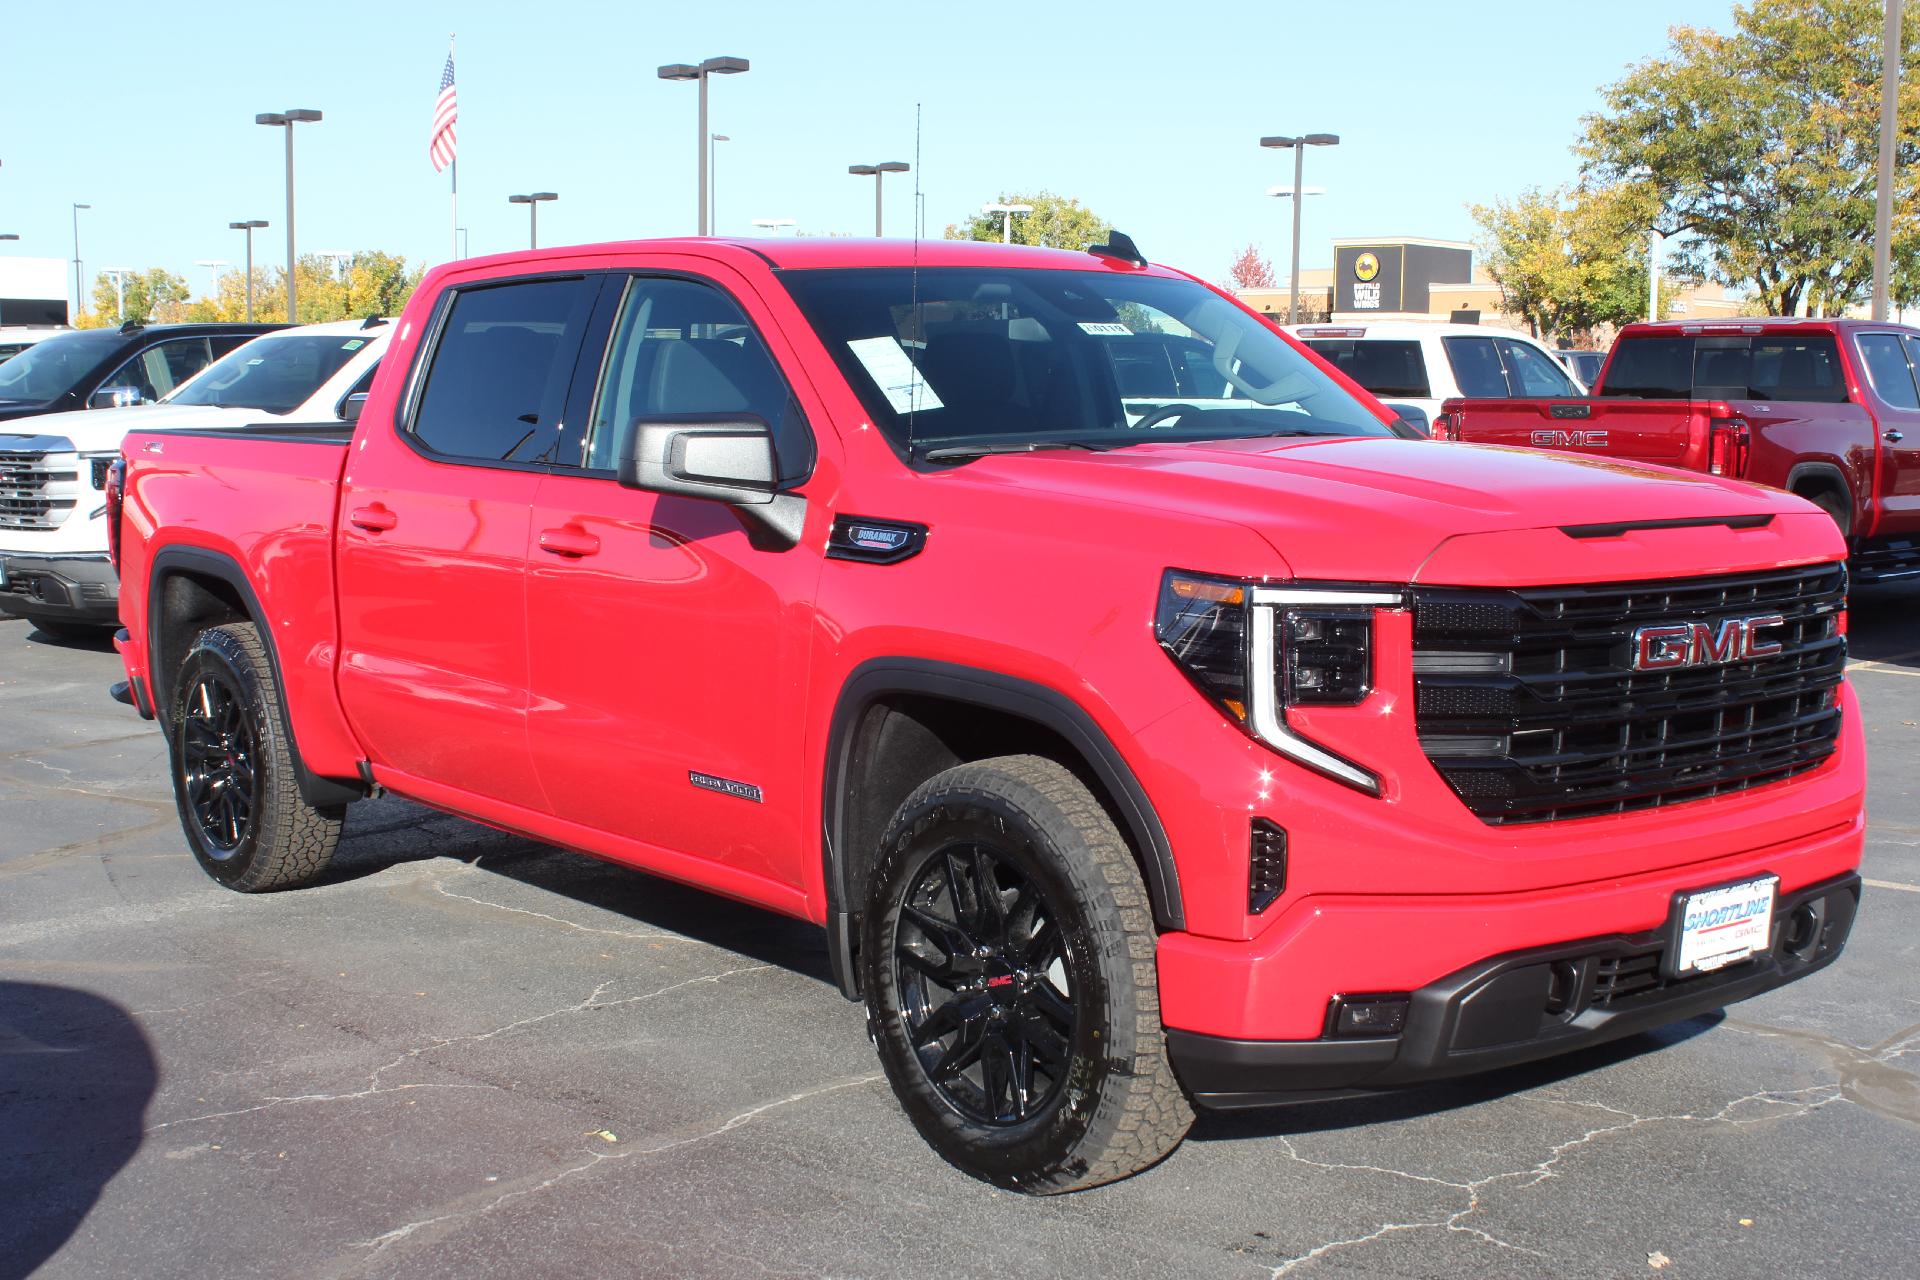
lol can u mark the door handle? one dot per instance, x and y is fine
(374, 519)
(1892, 436)
(571, 542)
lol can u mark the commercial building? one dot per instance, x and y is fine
(33, 291)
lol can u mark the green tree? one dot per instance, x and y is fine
(145, 293)
(1761, 145)
(1569, 261)
(1055, 223)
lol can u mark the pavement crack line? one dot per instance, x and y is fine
(649, 935)
(376, 1087)
(1800, 1101)
(381, 1242)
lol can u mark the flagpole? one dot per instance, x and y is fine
(453, 168)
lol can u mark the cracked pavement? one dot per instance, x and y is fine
(466, 1055)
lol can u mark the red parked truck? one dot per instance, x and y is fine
(1827, 409)
(1136, 754)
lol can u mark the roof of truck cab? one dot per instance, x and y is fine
(1758, 324)
(825, 252)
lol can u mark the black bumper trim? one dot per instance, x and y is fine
(1493, 1014)
(79, 588)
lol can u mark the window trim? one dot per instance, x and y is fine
(1500, 345)
(408, 409)
(1446, 349)
(634, 275)
(143, 350)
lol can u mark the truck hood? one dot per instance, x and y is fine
(102, 430)
(1393, 510)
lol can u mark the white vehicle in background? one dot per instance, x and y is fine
(15, 338)
(54, 569)
(1411, 367)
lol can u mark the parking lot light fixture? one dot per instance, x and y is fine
(773, 224)
(1006, 212)
(249, 227)
(8, 235)
(699, 73)
(286, 120)
(1298, 145)
(878, 172)
(79, 298)
(533, 201)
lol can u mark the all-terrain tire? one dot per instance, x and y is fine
(1075, 1101)
(234, 781)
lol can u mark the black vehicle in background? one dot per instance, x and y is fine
(107, 368)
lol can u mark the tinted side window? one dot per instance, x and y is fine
(498, 375)
(1382, 367)
(682, 347)
(1476, 367)
(1533, 373)
(1887, 369)
(162, 367)
(1651, 369)
(1804, 369)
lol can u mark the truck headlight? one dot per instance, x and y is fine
(1256, 650)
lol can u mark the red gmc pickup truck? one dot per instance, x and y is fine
(1827, 409)
(1136, 754)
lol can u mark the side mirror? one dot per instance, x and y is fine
(350, 408)
(722, 457)
(114, 398)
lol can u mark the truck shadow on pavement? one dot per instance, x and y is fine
(1448, 1095)
(90, 640)
(76, 1074)
(1883, 624)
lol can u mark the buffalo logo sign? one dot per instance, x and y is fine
(1366, 267)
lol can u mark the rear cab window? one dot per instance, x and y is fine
(1801, 368)
(1477, 368)
(1386, 367)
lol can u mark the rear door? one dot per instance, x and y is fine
(1891, 362)
(1796, 400)
(668, 643)
(434, 512)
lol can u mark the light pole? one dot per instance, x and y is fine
(286, 120)
(1890, 49)
(119, 275)
(249, 227)
(1299, 147)
(533, 202)
(878, 172)
(8, 236)
(713, 178)
(773, 224)
(688, 71)
(462, 231)
(79, 299)
(1006, 212)
(213, 266)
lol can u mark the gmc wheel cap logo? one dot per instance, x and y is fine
(1704, 644)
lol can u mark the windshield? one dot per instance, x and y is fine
(276, 374)
(1009, 358)
(54, 367)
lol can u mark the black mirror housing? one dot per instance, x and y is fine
(350, 407)
(115, 397)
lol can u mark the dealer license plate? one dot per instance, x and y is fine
(1719, 927)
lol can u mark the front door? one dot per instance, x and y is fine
(434, 516)
(668, 650)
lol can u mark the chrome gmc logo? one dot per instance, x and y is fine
(1703, 644)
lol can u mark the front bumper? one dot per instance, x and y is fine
(81, 588)
(1515, 1008)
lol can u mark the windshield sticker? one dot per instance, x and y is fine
(257, 360)
(353, 344)
(1105, 329)
(899, 381)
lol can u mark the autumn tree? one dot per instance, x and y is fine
(137, 298)
(1055, 223)
(370, 283)
(1570, 260)
(1760, 147)
(1251, 271)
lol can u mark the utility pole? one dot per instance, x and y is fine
(1890, 51)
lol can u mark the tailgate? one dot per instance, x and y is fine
(1668, 432)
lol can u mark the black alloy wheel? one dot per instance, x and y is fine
(219, 748)
(984, 981)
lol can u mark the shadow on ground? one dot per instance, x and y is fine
(76, 1074)
(1883, 624)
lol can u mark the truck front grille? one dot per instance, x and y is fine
(1528, 703)
(38, 490)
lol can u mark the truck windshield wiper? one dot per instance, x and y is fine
(962, 452)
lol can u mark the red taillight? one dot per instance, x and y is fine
(1727, 447)
(1443, 427)
(116, 494)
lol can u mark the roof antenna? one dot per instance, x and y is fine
(1119, 246)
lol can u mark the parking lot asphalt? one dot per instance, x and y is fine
(466, 1054)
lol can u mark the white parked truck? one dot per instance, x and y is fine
(1411, 367)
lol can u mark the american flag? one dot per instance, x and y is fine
(441, 147)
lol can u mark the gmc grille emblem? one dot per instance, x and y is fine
(1569, 439)
(1703, 644)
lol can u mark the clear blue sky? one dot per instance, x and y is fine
(1148, 112)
